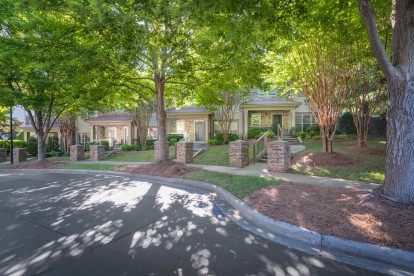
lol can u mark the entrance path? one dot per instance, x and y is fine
(97, 224)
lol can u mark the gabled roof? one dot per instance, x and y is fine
(271, 101)
(190, 109)
(119, 117)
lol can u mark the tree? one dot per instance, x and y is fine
(171, 50)
(399, 72)
(45, 63)
(141, 116)
(322, 73)
(67, 130)
(366, 92)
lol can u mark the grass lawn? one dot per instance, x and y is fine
(136, 156)
(107, 167)
(239, 185)
(370, 167)
(214, 155)
(3, 166)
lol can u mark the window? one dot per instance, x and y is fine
(307, 120)
(27, 121)
(180, 128)
(83, 138)
(256, 120)
(112, 132)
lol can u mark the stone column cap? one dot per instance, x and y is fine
(278, 142)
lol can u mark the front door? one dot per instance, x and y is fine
(200, 129)
(276, 120)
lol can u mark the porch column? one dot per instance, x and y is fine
(246, 123)
(293, 118)
(92, 138)
(130, 134)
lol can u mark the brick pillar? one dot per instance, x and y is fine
(97, 152)
(278, 156)
(19, 155)
(239, 154)
(184, 152)
(3, 155)
(156, 150)
(77, 152)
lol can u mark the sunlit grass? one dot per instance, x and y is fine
(214, 155)
(239, 185)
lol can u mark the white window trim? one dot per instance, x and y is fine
(260, 119)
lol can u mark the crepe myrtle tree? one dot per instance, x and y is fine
(399, 72)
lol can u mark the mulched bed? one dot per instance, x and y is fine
(321, 159)
(165, 169)
(341, 212)
(37, 165)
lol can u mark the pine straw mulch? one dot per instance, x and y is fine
(343, 212)
(37, 165)
(365, 150)
(321, 159)
(165, 169)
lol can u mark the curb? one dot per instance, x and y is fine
(381, 259)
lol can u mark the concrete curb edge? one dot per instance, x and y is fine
(377, 258)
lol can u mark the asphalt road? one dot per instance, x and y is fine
(75, 224)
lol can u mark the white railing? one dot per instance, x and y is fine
(259, 147)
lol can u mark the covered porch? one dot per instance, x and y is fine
(274, 115)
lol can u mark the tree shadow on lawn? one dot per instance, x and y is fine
(111, 225)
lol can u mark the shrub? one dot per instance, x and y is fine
(136, 147)
(218, 142)
(314, 128)
(105, 144)
(20, 136)
(211, 142)
(52, 144)
(126, 147)
(177, 137)
(150, 143)
(316, 137)
(308, 136)
(313, 133)
(55, 153)
(253, 132)
(232, 137)
(270, 134)
(300, 134)
(31, 147)
(346, 123)
(150, 147)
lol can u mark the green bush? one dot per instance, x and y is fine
(150, 144)
(136, 147)
(20, 136)
(253, 132)
(316, 137)
(105, 144)
(219, 142)
(55, 153)
(126, 148)
(346, 123)
(232, 137)
(301, 134)
(211, 142)
(314, 128)
(177, 137)
(308, 136)
(270, 134)
(52, 144)
(31, 147)
(313, 133)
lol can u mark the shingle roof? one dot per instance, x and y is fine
(190, 109)
(271, 101)
(111, 117)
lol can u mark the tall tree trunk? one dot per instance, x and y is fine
(399, 168)
(41, 143)
(161, 119)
